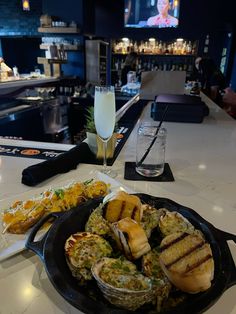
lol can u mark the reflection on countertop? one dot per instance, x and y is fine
(13, 84)
(26, 76)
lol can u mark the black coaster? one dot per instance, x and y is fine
(131, 174)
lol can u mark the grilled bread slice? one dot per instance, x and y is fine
(131, 238)
(187, 261)
(122, 205)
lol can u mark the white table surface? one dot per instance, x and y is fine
(203, 160)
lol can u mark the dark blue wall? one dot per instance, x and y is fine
(22, 52)
(16, 22)
(80, 11)
(19, 34)
(68, 11)
(19, 37)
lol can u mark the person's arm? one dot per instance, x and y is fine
(229, 97)
(229, 102)
(214, 92)
(216, 82)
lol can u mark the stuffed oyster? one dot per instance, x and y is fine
(122, 284)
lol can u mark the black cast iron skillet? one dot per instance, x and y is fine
(89, 299)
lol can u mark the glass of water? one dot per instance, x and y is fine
(150, 149)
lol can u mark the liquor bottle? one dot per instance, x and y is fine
(206, 44)
(53, 51)
(160, 47)
(174, 48)
(15, 72)
(189, 48)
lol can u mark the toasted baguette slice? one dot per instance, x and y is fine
(187, 261)
(131, 238)
(123, 205)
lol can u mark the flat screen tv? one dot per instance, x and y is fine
(151, 13)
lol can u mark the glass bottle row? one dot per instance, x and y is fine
(154, 46)
(154, 64)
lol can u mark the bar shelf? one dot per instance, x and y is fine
(61, 30)
(66, 47)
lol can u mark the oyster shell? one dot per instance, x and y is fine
(161, 285)
(122, 297)
(171, 222)
(82, 250)
(150, 219)
(97, 224)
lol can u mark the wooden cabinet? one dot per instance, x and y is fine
(96, 54)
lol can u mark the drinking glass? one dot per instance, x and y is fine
(150, 150)
(104, 119)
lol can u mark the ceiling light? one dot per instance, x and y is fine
(26, 5)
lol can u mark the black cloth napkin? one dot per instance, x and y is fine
(64, 162)
(131, 174)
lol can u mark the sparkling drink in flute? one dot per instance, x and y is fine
(104, 118)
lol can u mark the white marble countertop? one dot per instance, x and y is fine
(203, 160)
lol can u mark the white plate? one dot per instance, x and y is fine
(10, 244)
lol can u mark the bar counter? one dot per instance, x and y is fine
(12, 84)
(202, 158)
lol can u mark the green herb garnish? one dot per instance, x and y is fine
(59, 193)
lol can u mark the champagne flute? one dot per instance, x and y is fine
(104, 119)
